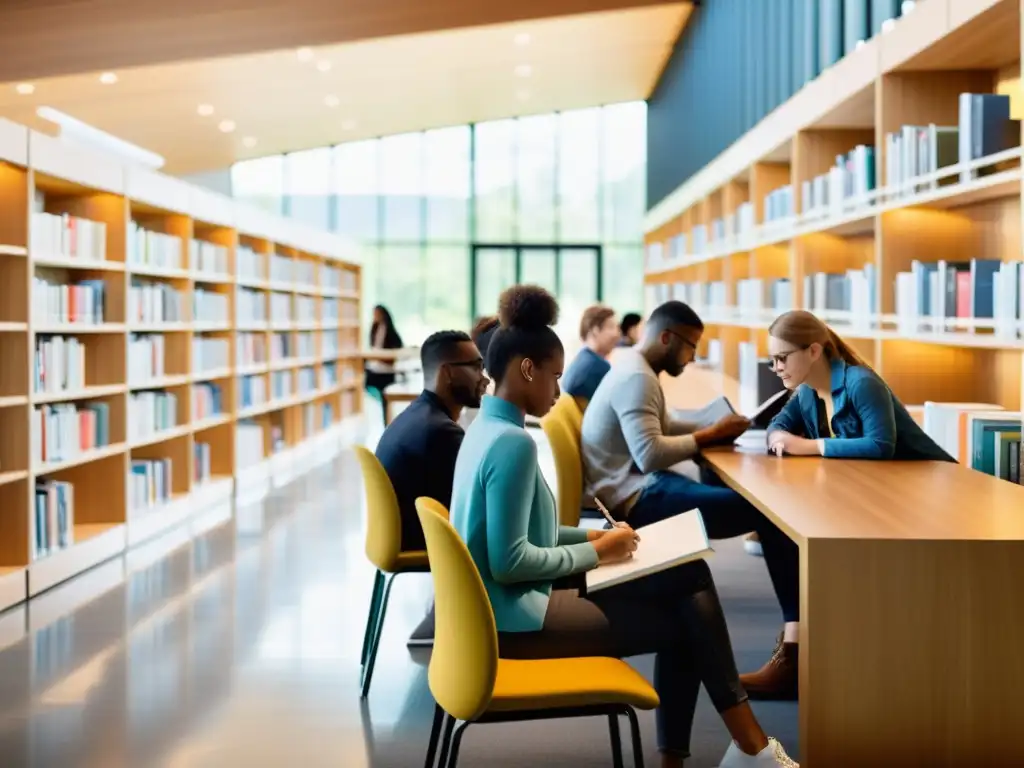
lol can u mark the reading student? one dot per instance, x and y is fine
(505, 513)
(841, 409)
(599, 333)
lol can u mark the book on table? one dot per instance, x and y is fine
(721, 407)
(663, 545)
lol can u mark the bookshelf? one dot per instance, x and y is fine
(134, 309)
(753, 233)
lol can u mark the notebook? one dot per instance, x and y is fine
(677, 540)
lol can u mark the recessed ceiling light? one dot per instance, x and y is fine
(348, 125)
(108, 78)
(304, 54)
(323, 65)
(524, 70)
(249, 141)
(332, 100)
(523, 38)
(205, 109)
(226, 126)
(523, 94)
(25, 89)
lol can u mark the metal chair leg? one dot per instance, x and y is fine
(638, 747)
(613, 729)
(446, 741)
(371, 618)
(375, 640)
(435, 735)
(456, 743)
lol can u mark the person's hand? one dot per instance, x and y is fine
(781, 443)
(725, 430)
(596, 533)
(616, 544)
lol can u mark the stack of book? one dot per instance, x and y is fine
(149, 483)
(982, 436)
(54, 517)
(55, 301)
(64, 431)
(59, 364)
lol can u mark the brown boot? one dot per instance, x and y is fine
(778, 679)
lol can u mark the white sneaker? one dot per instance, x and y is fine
(772, 756)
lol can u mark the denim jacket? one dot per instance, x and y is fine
(868, 421)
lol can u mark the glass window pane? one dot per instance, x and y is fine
(579, 149)
(400, 288)
(622, 278)
(447, 184)
(260, 182)
(495, 271)
(535, 178)
(495, 179)
(401, 184)
(579, 290)
(624, 171)
(447, 287)
(307, 178)
(537, 267)
(356, 185)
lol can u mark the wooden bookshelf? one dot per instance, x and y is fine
(149, 341)
(912, 75)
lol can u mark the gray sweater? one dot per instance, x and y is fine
(627, 432)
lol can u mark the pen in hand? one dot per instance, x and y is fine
(608, 516)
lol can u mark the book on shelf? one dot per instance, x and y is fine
(60, 235)
(151, 302)
(154, 249)
(59, 364)
(146, 357)
(64, 431)
(721, 407)
(149, 483)
(249, 449)
(150, 413)
(201, 462)
(208, 258)
(982, 436)
(945, 291)
(207, 400)
(845, 185)
(54, 511)
(58, 302)
(779, 204)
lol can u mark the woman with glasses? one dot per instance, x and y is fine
(840, 409)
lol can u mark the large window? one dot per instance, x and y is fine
(418, 202)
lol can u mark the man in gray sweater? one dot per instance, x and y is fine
(630, 442)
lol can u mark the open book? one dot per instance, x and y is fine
(720, 407)
(677, 540)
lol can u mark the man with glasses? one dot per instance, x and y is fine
(630, 443)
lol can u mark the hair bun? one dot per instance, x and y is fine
(527, 307)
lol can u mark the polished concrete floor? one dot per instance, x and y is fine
(241, 648)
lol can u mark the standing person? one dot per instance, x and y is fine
(599, 333)
(380, 374)
(629, 329)
(841, 409)
(504, 511)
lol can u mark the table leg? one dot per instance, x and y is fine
(912, 653)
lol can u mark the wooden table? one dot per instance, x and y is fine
(399, 393)
(912, 605)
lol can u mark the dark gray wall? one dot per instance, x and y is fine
(734, 63)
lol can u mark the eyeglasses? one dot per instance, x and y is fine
(685, 340)
(476, 365)
(780, 359)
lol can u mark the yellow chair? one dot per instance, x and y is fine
(563, 426)
(384, 550)
(472, 685)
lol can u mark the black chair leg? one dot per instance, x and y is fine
(375, 640)
(435, 736)
(371, 618)
(456, 743)
(446, 741)
(638, 747)
(613, 729)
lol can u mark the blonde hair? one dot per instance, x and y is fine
(801, 329)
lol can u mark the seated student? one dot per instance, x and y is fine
(599, 333)
(629, 329)
(629, 444)
(505, 513)
(841, 410)
(481, 334)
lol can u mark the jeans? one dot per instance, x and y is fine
(726, 514)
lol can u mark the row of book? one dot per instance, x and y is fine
(250, 306)
(54, 513)
(155, 303)
(210, 353)
(779, 204)
(59, 364)
(282, 268)
(55, 301)
(280, 384)
(306, 380)
(305, 309)
(983, 436)
(202, 458)
(252, 391)
(847, 184)
(64, 431)
(248, 264)
(249, 449)
(151, 412)
(153, 249)
(150, 483)
(328, 375)
(60, 235)
(251, 349)
(146, 354)
(208, 258)
(210, 307)
(281, 307)
(207, 400)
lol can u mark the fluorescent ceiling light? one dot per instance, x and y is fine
(25, 89)
(332, 100)
(249, 141)
(108, 78)
(304, 54)
(226, 126)
(76, 130)
(323, 65)
(205, 109)
(524, 70)
(523, 38)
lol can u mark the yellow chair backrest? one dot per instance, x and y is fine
(383, 518)
(464, 662)
(425, 502)
(562, 427)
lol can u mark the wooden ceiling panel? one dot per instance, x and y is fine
(380, 87)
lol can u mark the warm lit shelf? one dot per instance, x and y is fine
(211, 421)
(85, 457)
(77, 328)
(13, 250)
(210, 375)
(161, 436)
(65, 263)
(13, 476)
(13, 400)
(13, 327)
(148, 270)
(161, 382)
(88, 393)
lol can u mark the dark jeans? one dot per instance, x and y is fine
(675, 614)
(726, 514)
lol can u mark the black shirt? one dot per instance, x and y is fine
(418, 451)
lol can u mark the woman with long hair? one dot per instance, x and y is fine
(530, 566)
(383, 335)
(840, 409)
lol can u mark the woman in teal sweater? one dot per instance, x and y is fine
(505, 513)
